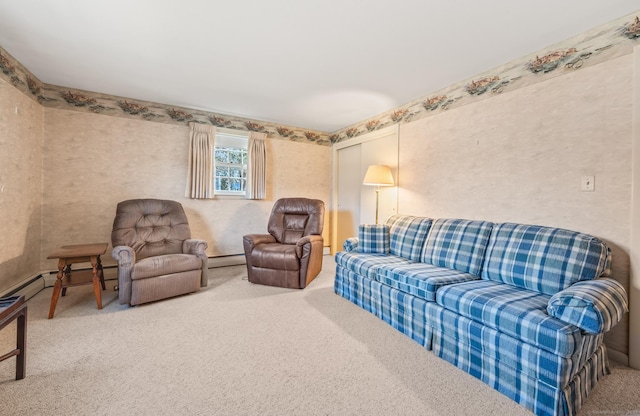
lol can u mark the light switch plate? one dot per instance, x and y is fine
(588, 184)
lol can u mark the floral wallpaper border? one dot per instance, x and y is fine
(600, 44)
(85, 101)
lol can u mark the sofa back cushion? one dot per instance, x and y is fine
(407, 235)
(543, 259)
(457, 244)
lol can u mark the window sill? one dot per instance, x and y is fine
(227, 196)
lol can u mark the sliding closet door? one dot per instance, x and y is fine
(349, 182)
(355, 203)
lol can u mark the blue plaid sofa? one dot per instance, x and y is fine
(523, 308)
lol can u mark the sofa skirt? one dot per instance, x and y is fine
(538, 380)
(548, 367)
(404, 312)
(531, 392)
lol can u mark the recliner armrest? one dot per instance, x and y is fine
(249, 242)
(252, 240)
(198, 248)
(126, 257)
(595, 306)
(308, 239)
(193, 246)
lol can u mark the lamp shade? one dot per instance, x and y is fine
(379, 175)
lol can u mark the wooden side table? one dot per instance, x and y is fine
(11, 308)
(80, 253)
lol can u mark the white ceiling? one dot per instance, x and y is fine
(317, 64)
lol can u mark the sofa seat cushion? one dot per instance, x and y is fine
(543, 259)
(164, 265)
(514, 311)
(407, 235)
(366, 264)
(420, 279)
(275, 256)
(457, 244)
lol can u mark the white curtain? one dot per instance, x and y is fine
(256, 166)
(200, 173)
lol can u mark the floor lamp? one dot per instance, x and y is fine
(378, 175)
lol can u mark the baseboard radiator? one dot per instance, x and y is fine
(30, 286)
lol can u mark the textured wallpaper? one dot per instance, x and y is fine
(91, 102)
(520, 157)
(93, 161)
(598, 45)
(20, 185)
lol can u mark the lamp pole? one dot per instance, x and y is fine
(378, 175)
(377, 199)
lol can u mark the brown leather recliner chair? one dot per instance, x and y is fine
(291, 254)
(156, 256)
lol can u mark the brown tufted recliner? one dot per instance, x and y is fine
(156, 256)
(291, 254)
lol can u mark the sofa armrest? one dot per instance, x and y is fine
(198, 248)
(350, 244)
(126, 257)
(373, 238)
(595, 306)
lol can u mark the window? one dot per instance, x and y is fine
(225, 162)
(230, 164)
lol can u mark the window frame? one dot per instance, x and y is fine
(231, 140)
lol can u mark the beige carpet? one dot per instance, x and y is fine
(242, 349)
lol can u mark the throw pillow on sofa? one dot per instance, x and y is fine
(594, 306)
(373, 239)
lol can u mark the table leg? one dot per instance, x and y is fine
(57, 287)
(96, 281)
(67, 271)
(21, 358)
(101, 274)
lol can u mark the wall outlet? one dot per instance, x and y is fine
(588, 184)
